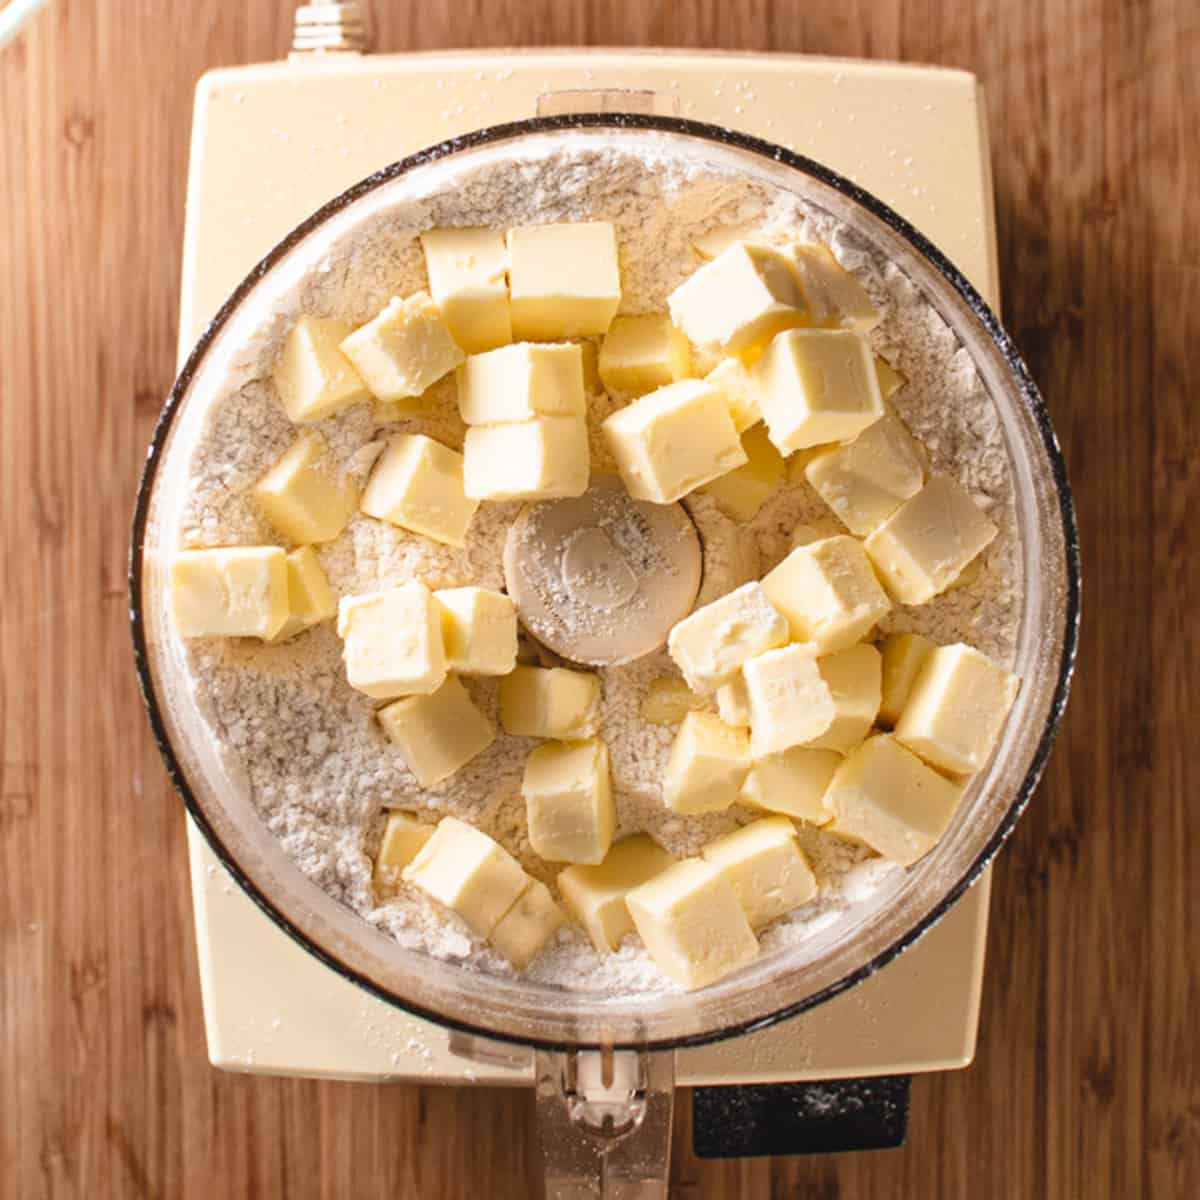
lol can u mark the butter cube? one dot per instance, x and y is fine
(854, 678)
(732, 378)
(890, 380)
(922, 547)
(711, 645)
(733, 702)
(550, 702)
(239, 591)
(769, 872)
(469, 873)
(302, 495)
(673, 441)
(884, 795)
(403, 837)
(668, 700)
(591, 367)
(828, 592)
(525, 929)
(468, 279)
(569, 802)
(707, 765)
(790, 703)
(437, 734)
(392, 641)
(518, 383)
(744, 297)
(792, 782)
(692, 923)
(595, 896)
(741, 493)
(866, 480)
(904, 655)
(642, 353)
(565, 280)
(313, 377)
(310, 598)
(418, 484)
(716, 241)
(833, 296)
(479, 630)
(957, 708)
(817, 385)
(543, 459)
(404, 350)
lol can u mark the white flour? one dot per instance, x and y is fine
(319, 769)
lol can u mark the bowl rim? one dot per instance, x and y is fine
(1027, 389)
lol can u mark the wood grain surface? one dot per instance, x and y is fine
(1087, 1082)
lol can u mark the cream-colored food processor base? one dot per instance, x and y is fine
(270, 144)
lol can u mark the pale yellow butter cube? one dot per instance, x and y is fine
(404, 350)
(469, 873)
(595, 895)
(707, 765)
(590, 357)
(569, 802)
(711, 645)
(904, 655)
(854, 678)
(745, 296)
(239, 591)
(828, 592)
(890, 380)
(732, 378)
(392, 641)
(833, 296)
(524, 930)
(437, 734)
(310, 598)
(792, 782)
(741, 493)
(641, 353)
(692, 923)
(923, 546)
(816, 386)
(733, 702)
(716, 241)
(673, 441)
(957, 708)
(668, 700)
(766, 867)
(518, 383)
(884, 795)
(468, 279)
(790, 703)
(403, 838)
(866, 480)
(550, 702)
(565, 280)
(302, 495)
(417, 484)
(805, 535)
(543, 459)
(313, 377)
(479, 630)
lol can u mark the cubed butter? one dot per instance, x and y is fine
(590, 357)
(238, 591)
(816, 386)
(957, 708)
(313, 377)
(792, 782)
(302, 495)
(550, 702)
(543, 459)
(468, 279)
(854, 679)
(565, 280)
(707, 765)
(692, 923)
(595, 896)
(741, 493)
(479, 630)
(437, 734)
(525, 929)
(469, 873)
(732, 378)
(518, 383)
(828, 592)
(733, 702)
(668, 700)
(673, 441)
(890, 380)
(310, 598)
(904, 655)
(790, 703)
(866, 480)
(884, 795)
(569, 802)
(716, 241)
(404, 350)
(766, 867)
(392, 641)
(642, 353)
(833, 296)
(403, 837)
(711, 645)
(923, 546)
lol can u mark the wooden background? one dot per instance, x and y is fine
(1087, 1082)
